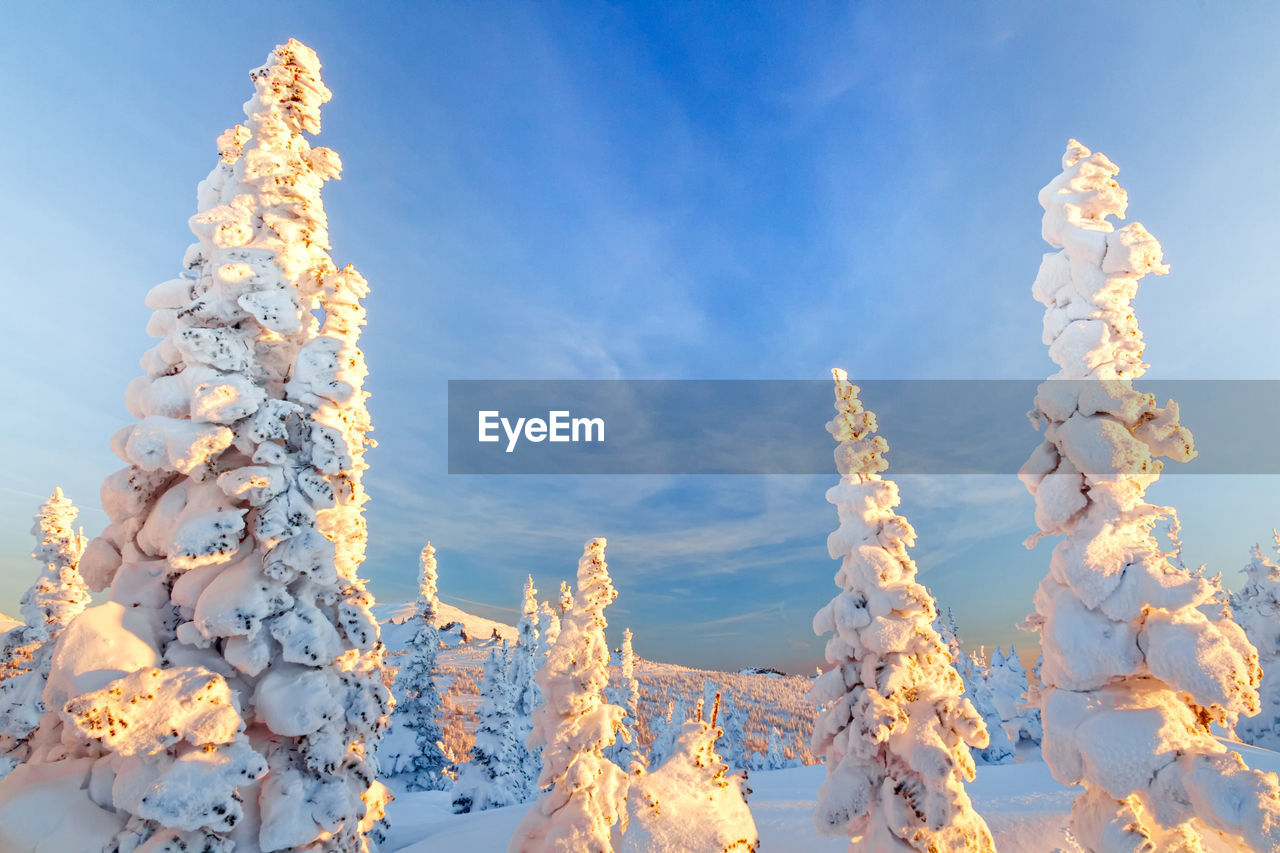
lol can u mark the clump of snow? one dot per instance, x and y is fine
(894, 727)
(689, 803)
(1141, 656)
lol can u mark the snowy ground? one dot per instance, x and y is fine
(1026, 809)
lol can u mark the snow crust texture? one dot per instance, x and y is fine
(1141, 656)
(231, 688)
(893, 726)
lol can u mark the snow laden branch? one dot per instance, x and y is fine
(1140, 655)
(893, 725)
(236, 533)
(574, 726)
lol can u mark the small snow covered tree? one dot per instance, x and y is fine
(974, 672)
(893, 726)
(524, 670)
(949, 632)
(776, 758)
(494, 777)
(626, 694)
(1257, 610)
(417, 696)
(668, 731)
(689, 803)
(233, 683)
(574, 726)
(732, 721)
(1007, 680)
(1140, 655)
(58, 596)
(549, 625)
(566, 598)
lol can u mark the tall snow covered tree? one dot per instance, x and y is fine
(893, 726)
(1257, 610)
(233, 684)
(417, 697)
(58, 596)
(1140, 658)
(626, 694)
(524, 670)
(574, 726)
(494, 777)
(689, 803)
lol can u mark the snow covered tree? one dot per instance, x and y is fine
(732, 720)
(1140, 655)
(232, 686)
(574, 726)
(494, 777)
(949, 632)
(668, 731)
(626, 694)
(893, 726)
(1007, 680)
(974, 672)
(524, 670)
(689, 803)
(549, 625)
(58, 596)
(417, 697)
(1257, 610)
(566, 598)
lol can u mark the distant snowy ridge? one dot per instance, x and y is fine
(475, 626)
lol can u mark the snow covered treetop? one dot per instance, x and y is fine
(427, 579)
(860, 453)
(1089, 326)
(289, 87)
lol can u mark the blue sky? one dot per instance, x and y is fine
(677, 191)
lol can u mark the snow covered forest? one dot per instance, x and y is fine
(209, 672)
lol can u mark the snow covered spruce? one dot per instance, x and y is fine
(894, 727)
(574, 725)
(58, 596)
(625, 752)
(494, 777)
(689, 803)
(524, 671)
(1140, 655)
(417, 696)
(1257, 610)
(228, 692)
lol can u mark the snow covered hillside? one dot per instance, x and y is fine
(771, 701)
